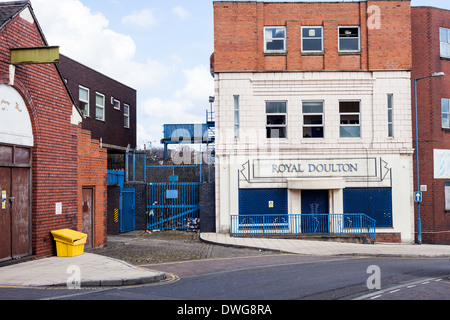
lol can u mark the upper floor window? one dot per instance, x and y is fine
(446, 113)
(390, 105)
(275, 39)
(313, 119)
(350, 114)
(445, 42)
(99, 106)
(236, 117)
(84, 100)
(126, 116)
(349, 39)
(312, 39)
(276, 116)
(116, 104)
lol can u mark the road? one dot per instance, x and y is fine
(275, 277)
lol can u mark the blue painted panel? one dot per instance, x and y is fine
(127, 216)
(263, 201)
(373, 202)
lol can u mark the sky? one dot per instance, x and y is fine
(161, 48)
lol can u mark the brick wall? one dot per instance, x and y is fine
(54, 168)
(92, 172)
(239, 36)
(426, 22)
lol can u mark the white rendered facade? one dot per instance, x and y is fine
(380, 156)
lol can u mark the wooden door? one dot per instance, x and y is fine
(5, 214)
(14, 213)
(20, 204)
(88, 216)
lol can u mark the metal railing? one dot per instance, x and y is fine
(351, 224)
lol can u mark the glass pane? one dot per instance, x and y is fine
(274, 120)
(349, 32)
(312, 45)
(5, 154)
(275, 45)
(349, 106)
(84, 94)
(236, 117)
(313, 107)
(445, 120)
(313, 119)
(444, 35)
(276, 107)
(391, 130)
(446, 105)
(350, 119)
(100, 100)
(350, 44)
(22, 156)
(277, 132)
(99, 113)
(390, 116)
(350, 132)
(312, 32)
(313, 132)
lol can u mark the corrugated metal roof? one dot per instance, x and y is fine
(9, 10)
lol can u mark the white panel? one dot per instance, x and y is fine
(15, 123)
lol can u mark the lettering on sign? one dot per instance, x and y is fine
(305, 168)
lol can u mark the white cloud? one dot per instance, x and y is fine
(145, 18)
(199, 84)
(86, 37)
(181, 13)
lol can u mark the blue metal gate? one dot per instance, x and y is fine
(173, 206)
(127, 207)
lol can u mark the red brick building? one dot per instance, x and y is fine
(304, 90)
(431, 53)
(47, 162)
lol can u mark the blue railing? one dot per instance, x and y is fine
(350, 224)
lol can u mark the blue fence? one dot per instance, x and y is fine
(309, 224)
(173, 206)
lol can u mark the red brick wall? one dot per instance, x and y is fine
(426, 60)
(55, 151)
(92, 172)
(239, 36)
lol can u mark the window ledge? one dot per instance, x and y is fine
(350, 53)
(445, 58)
(275, 54)
(305, 53)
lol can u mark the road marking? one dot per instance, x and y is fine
(376, 297)
(394, 291)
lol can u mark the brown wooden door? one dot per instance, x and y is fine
(20, 204)
(88, 215)
(5, 214)
(14, 213)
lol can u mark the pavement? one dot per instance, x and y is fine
(92, 270)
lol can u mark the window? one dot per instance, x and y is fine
(126, 116)
(116, 104)
(446, 113)
(349, 39)
(445, 42)
(390, 115)
(84, 100)
(313, 119)
(275, 39)
(236, 117)
(447, 195)
(99, 106)
(350, 119)
(312, 39)
(276, 119)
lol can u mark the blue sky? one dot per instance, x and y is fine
(160, 48)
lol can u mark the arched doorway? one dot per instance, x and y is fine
(16, 142)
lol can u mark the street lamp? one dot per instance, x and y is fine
(419, 222)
